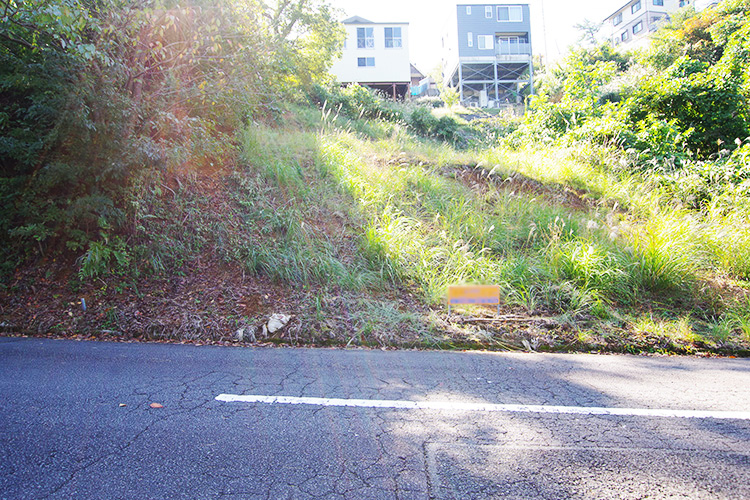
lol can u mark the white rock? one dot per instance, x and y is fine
(277, 321)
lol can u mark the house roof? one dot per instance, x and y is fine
(415, 71)
(356, 20)
(621, 8)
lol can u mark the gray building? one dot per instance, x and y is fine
(487, 53)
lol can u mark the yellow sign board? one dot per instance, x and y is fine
(473, 294)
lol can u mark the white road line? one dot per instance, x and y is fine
(485, 407)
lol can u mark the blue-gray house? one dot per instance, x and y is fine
(487, 54)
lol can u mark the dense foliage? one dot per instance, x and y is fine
(101, 100)
(678, 113)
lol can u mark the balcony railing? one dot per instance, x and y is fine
(513, 49)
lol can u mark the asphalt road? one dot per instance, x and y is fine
(444, 425)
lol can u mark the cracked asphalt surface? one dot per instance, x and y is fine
(63, 433)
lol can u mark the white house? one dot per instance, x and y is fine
(632, 23)
(375, 55)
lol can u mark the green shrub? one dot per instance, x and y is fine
(446, 128)
(705, 110)
(488, 131)
(103, 257)
(430, 102)
(686, 100)
(356, 101)
(423, 122)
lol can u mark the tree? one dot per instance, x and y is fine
(450, 96)
(589, 31)
(306, 35)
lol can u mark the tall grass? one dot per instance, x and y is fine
(665, 255)
(726, 239)
(426, 228)
(433, 231)
(559, 166)
(669, 244)
(278, 154)
(284, 208)
(561, 232)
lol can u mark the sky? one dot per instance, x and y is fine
(552, 22)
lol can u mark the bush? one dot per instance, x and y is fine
(687, 100)
(430, 102)
(488, 131)
(356, 101)
(446, 128)
(703, 108)
(423, 122)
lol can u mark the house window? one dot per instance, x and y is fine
(365, 38)
(512, 45)
(635, 7)
(624, 36)
(470, 38)
(363, 62)
(684, 3)
(488, 12)
(485, 42)
(393, 38)
(468, 10)
(512, 13)
(638, 27)
(618, 19)
(659, 3)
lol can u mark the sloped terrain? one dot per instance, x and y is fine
(354, 238)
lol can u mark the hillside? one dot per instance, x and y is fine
(356, 236)
(350, 215)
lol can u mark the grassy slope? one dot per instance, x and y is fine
(356, 228)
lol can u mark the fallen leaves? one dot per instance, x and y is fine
(156, 405)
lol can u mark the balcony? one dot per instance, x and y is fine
(512, 49)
